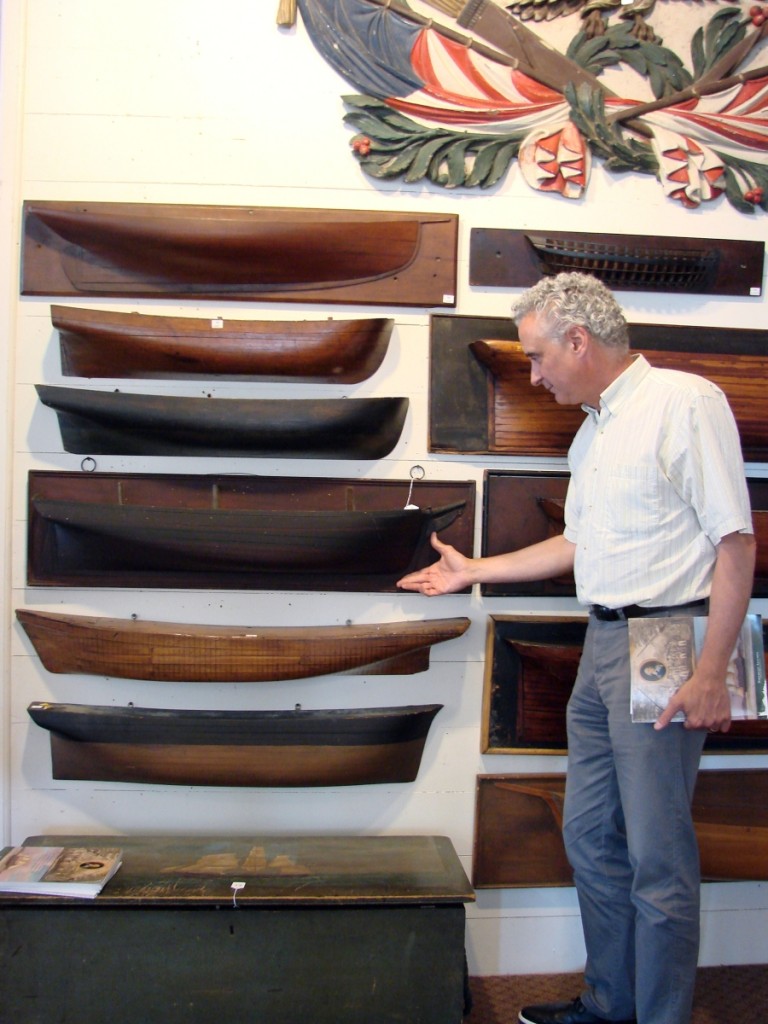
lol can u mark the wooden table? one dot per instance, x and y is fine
(327, 930)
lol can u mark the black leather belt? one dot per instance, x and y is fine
(636, 611)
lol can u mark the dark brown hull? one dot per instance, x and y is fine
(237, 748)
(137, 649)
(118, 423)
(95, 343)
(237, 532)
(275, 254)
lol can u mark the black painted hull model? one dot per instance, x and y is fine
(236, 748)
(167, 651)
(242, 532)
(117, 423)
(95, 343)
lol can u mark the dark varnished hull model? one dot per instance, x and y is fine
(137, 649)
(237, 532)
(268, 253)
(95, 343)
(236, 748)
(117, 423)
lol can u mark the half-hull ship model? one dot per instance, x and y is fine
(518, 413)
(166, 651)
(518, 828)
(119, 423)
(95, 343)
(510, 258)
(265, 254)
(530, 668)
(236, 532)
(482, 401)
(539, 503)
(236, 748)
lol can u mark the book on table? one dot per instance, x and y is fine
(58, 870)
(662, 656)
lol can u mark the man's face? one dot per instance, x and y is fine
(553, 362)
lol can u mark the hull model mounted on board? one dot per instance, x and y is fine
(267, 254)
(241, 532)
(117, 423)
(167, 651)
(236, 748)
(95, 343)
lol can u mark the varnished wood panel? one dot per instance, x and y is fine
(518, 828)
(268, 254)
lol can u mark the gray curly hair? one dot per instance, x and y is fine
(576, 299)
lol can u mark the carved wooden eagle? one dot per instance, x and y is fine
(591, 13)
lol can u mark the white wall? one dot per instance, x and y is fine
(187, 101)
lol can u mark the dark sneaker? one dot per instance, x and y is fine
(574, 1012)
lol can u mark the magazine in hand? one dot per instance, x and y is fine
(58, 870)
(662, 656)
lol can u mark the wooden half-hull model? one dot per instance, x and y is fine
(236, 748)
(509, 258)
(482, 400)
(241, 532)
(259, 253)
(167, 651)
(522, 420)
(530, 668)
(518, 828)
(119, 423)
(95, 343)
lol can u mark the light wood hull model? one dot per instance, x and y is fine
(236, 748)
(117, 423)
(95, 343)
(165, 651)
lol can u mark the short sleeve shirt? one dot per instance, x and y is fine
(657, 480)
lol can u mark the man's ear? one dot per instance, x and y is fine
(578, 338)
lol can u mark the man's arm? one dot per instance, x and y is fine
(454, 571)
(704, 697)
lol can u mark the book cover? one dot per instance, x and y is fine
(662, 656)
(58, 870)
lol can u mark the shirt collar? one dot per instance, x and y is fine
(619, 390)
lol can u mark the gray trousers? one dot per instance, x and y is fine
(630, 840)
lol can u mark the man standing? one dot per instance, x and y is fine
(657, 521)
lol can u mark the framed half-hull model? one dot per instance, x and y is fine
(530, 668)
(237, 532)
(518, 828)
(266, 254)
(515, 258)
(524, 508)
(482, 400)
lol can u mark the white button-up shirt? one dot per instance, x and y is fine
(657, 480)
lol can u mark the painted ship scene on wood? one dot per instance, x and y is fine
(236, 748)
(243, 532)
(166, 651)
(264, 254)
(97, 343)
(118, 423)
